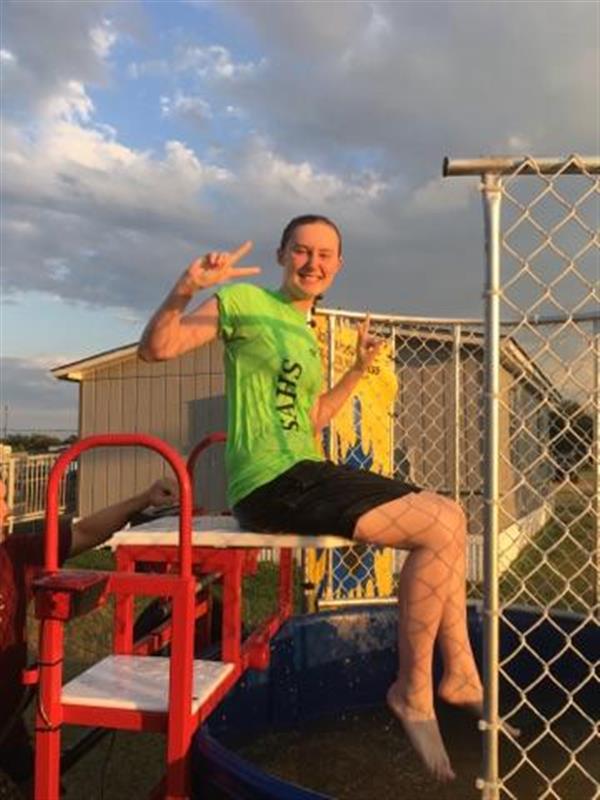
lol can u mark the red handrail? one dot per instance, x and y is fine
(121, 440)
(212, 438)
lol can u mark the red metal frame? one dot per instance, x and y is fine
(62, 595)
(286, 575)
(179, 722)
(203, 444)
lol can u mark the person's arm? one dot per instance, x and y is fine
(91, 531)
(171, 333)
(329, 403)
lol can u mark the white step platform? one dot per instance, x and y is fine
(218, 531)
(139, 683)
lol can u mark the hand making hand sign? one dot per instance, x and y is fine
(169, 333)
(215, 268)
(367, 345)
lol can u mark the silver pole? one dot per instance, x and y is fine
(392, 416)
(533, 319)
(492, 195)
(457, 409)
(331, 327)
(596, 501)
(524, 165)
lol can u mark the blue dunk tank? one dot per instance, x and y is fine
(336, 664)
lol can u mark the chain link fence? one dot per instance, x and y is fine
(542, 452)
(503, 415)
(419, 417)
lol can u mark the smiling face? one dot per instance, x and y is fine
(310, 259)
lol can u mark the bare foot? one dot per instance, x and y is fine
(424, 735)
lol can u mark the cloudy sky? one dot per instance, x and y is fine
(136, 135)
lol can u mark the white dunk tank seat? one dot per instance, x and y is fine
(140, 683)
(218, 531)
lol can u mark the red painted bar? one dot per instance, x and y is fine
(203, 444)
(49, 715)
(188, 604)
(119, 440)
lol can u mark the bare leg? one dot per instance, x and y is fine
(460, 683)
(411, 696)
(433, 529)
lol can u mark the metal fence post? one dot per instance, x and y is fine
(331, 327)
(492, 196)
(456, 344)
(596, 457)
(542, 471)
(392, 442)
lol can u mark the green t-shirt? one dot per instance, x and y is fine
(272, 378)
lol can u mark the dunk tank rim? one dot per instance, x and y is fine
(342, 661)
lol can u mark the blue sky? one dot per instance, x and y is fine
(136, 135)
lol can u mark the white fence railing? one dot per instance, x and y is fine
(26, 477)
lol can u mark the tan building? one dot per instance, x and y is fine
(179, 401)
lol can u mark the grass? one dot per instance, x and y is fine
(558, 568)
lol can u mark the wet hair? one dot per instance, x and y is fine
(308, 219)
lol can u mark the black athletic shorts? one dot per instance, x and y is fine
(317, 497)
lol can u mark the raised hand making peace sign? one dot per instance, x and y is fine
(367, 345)
(169, 333)
(216, 267)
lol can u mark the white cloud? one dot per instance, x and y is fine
(519, 144)
(73, 166)
(70, 103)
(347, 109)
(153, 68)
(97, 212)
(187, 106)
(18, 227)
(302, 181)
(58, 270)
(103, 37)
(6, 57)
(372, 40)
(414, 82)
(212, 62)
(100, 214)
(441, 195)
(59, 42)
(35, 399)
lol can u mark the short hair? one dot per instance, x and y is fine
(308, 219)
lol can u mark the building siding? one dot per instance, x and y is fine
(179, 401)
